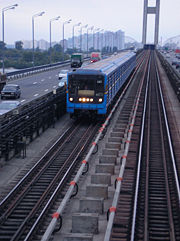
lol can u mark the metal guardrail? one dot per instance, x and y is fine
(36, 68)
(29, 71)
(172, 74)
(23, 124)
(177, 184)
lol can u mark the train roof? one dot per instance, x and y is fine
(107, 65)
(87, 71)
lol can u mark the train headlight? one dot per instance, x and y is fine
(91, 100)
(80, 99)
(71, 99)
(84, 99)
(87, 99)
(100, 100)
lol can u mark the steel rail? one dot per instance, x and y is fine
(172, 234)
(121, 173)
(34, 167)
(147, 171)
(72, 160)
(118, 187)
(168, 195)
(53, 223)
(54, 194)
(169, 138)
(50, 156)
(140, 157)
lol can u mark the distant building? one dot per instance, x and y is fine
(27, 44)
(42, 44)
(119, 39)
(101, 40)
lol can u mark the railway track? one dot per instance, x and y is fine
(148, 207)
(29, 202)
(122, 123)
(51, 174)
(158, 202)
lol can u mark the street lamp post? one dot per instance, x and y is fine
(91, 28)
(85, 26)
(3, 10)
(66, 22)
(33, 17)
(78, 24)
(51, 20)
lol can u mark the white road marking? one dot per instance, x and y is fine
(42, 80)
(36, 95)
(34, 83)
(54, 86)
(22, 101)
(46, 90)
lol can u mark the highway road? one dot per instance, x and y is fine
(170, 57)
(39, 84)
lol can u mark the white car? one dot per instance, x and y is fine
(6, 106)
(63, 82)
(63, 73)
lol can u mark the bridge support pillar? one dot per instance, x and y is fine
(151, 10)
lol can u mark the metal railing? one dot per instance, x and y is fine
(33, 70)
(172, 74)
(29, 71)
(21, 125)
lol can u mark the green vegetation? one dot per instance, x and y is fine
(20, 58)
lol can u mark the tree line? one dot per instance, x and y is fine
(20, 58)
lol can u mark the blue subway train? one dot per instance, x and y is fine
(91, 89)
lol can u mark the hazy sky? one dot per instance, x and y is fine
(112, 15)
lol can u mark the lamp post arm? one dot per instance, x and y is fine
(3, 10)
(33, 39)
(3, 26)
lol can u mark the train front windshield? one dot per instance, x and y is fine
(86, 85)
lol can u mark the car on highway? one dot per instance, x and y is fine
(63, 73)
(11, 91)
(63, 82)
(174, 62)
(178, 65)
(8, 105)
